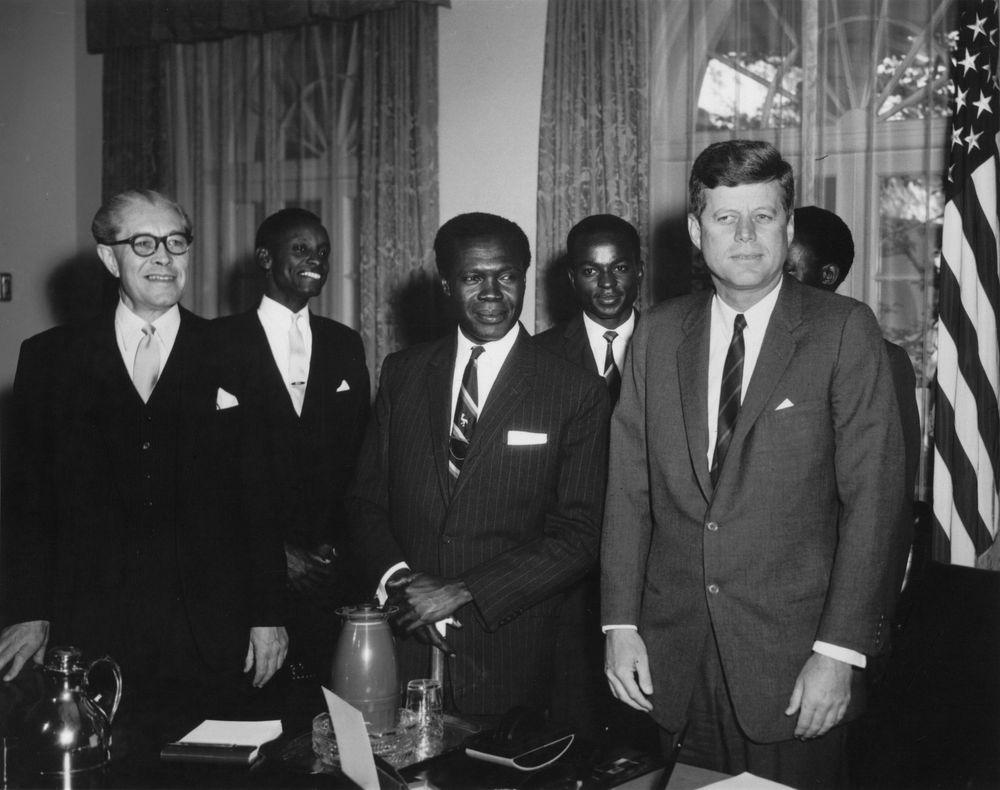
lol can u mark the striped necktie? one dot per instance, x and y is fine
(146, 366)
(466, 414)
(729, 396)
(612, 375)
(298, 365)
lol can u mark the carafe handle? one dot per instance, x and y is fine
(106, 695)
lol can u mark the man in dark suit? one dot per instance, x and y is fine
(605, 268)
(303, 382)
(125, 535)
(480, 482)
(821, 255)
(750, 554)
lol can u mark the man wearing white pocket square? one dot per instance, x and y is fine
(751, 552)
(125, 535)
(479, 487)
(303, 381)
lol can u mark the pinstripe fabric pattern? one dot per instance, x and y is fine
(521, 523)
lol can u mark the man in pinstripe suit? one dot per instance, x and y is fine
(478, 497)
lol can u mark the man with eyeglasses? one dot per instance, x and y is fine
(125, 533)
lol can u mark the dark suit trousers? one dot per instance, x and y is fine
(715, 740)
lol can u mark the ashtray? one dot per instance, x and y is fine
(395, 746)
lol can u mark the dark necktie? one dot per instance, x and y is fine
(729, 396)
(611, 373)
(466, 414)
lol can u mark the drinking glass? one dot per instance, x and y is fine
(423, 699)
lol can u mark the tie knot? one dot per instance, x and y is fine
(476, 351)
(610, 336)
(740, 323)
(148, 331)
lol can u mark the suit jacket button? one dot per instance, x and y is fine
(713, 589)
(146, 445)
(712, 526)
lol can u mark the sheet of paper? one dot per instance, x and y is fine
(234, 733)
(356, 760)
(746, 781)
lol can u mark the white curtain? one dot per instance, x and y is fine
(260, 122)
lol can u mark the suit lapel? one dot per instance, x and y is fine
(578, 344)
(775, 353)
(439, 407)
(513, 382)
(692, 373)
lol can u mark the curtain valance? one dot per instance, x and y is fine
(118, 24)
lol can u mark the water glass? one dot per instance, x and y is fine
(423, 699)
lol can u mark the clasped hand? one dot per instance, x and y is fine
(422, 601)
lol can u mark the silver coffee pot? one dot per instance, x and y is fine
(69, 728)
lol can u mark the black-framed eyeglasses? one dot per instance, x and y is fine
(145, 244)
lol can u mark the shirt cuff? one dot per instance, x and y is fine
(619, 627)
(380, 593)
(851, 657)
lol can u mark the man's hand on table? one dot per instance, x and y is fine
(266, 652)
(820, 696)
(625, 662)
(423, 601)
(20, 642)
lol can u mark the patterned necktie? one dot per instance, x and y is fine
(146, 366)
(298, 365)
(611, 373)
(466, 413)
(729, 396)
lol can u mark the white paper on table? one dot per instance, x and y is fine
(747, 781)
(353, 746)
(234, 733)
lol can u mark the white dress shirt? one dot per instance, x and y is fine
(277, 321)
(721, 329)
(599, 346)
(128, 333)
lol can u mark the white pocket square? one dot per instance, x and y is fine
(526, 437)
(344, 386)
(225, 400)
(785, 404)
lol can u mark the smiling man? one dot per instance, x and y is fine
(479, 489)
(303, 381)
(125, 534)
(751, 555)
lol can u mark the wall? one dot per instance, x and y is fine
(490, 63)
(50, 153)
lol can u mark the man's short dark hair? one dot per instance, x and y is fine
(475, 226)
(732, 163)
(827, 237)
(108, 220)
(279, 223)
(604, 224)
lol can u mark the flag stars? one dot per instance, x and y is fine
(960, 98)
(956, 136)
(972, 140)
(983, 105)
(968, 62)
(978, 28)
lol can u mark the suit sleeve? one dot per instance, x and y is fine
(872, 539)
(627, 519)
(370, 539)
(505, 585)
(29, 539)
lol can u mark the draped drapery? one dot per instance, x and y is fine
(335, 111)
(399, 179)
(593, 155)
(854, 95)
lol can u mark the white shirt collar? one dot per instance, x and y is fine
(271, 311)
(128, 327)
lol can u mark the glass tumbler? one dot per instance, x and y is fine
(423, 699)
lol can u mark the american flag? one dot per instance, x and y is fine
(966, 421)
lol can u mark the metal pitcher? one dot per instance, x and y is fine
(364, 665)
(69, 728)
